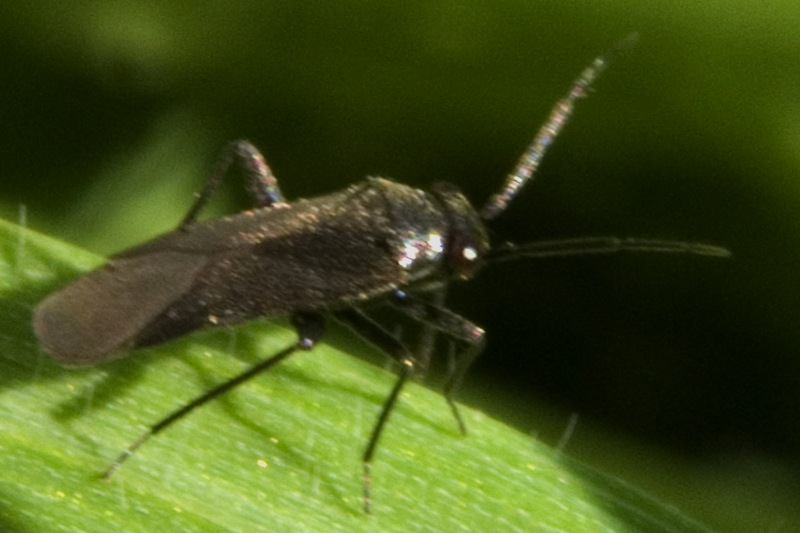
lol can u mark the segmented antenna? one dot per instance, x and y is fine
(529, 161)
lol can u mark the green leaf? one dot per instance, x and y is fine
(280, 453)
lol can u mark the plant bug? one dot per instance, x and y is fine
(377, 240)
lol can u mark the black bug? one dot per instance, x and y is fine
(378, 240)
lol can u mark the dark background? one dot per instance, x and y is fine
(683, 371)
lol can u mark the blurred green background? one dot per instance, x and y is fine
(682, 372)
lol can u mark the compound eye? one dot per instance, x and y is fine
(464, 259)
(469, 254)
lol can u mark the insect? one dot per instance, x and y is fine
(376, 241)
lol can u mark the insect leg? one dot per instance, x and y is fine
(309, 328)
(261, 182)
(428, 335)
(454, 326)
(380, 337)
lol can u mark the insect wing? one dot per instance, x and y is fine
(98, 316)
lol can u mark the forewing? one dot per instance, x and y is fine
(97, 316)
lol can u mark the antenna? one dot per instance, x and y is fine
(528, 163)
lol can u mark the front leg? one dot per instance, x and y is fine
(434, 315)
